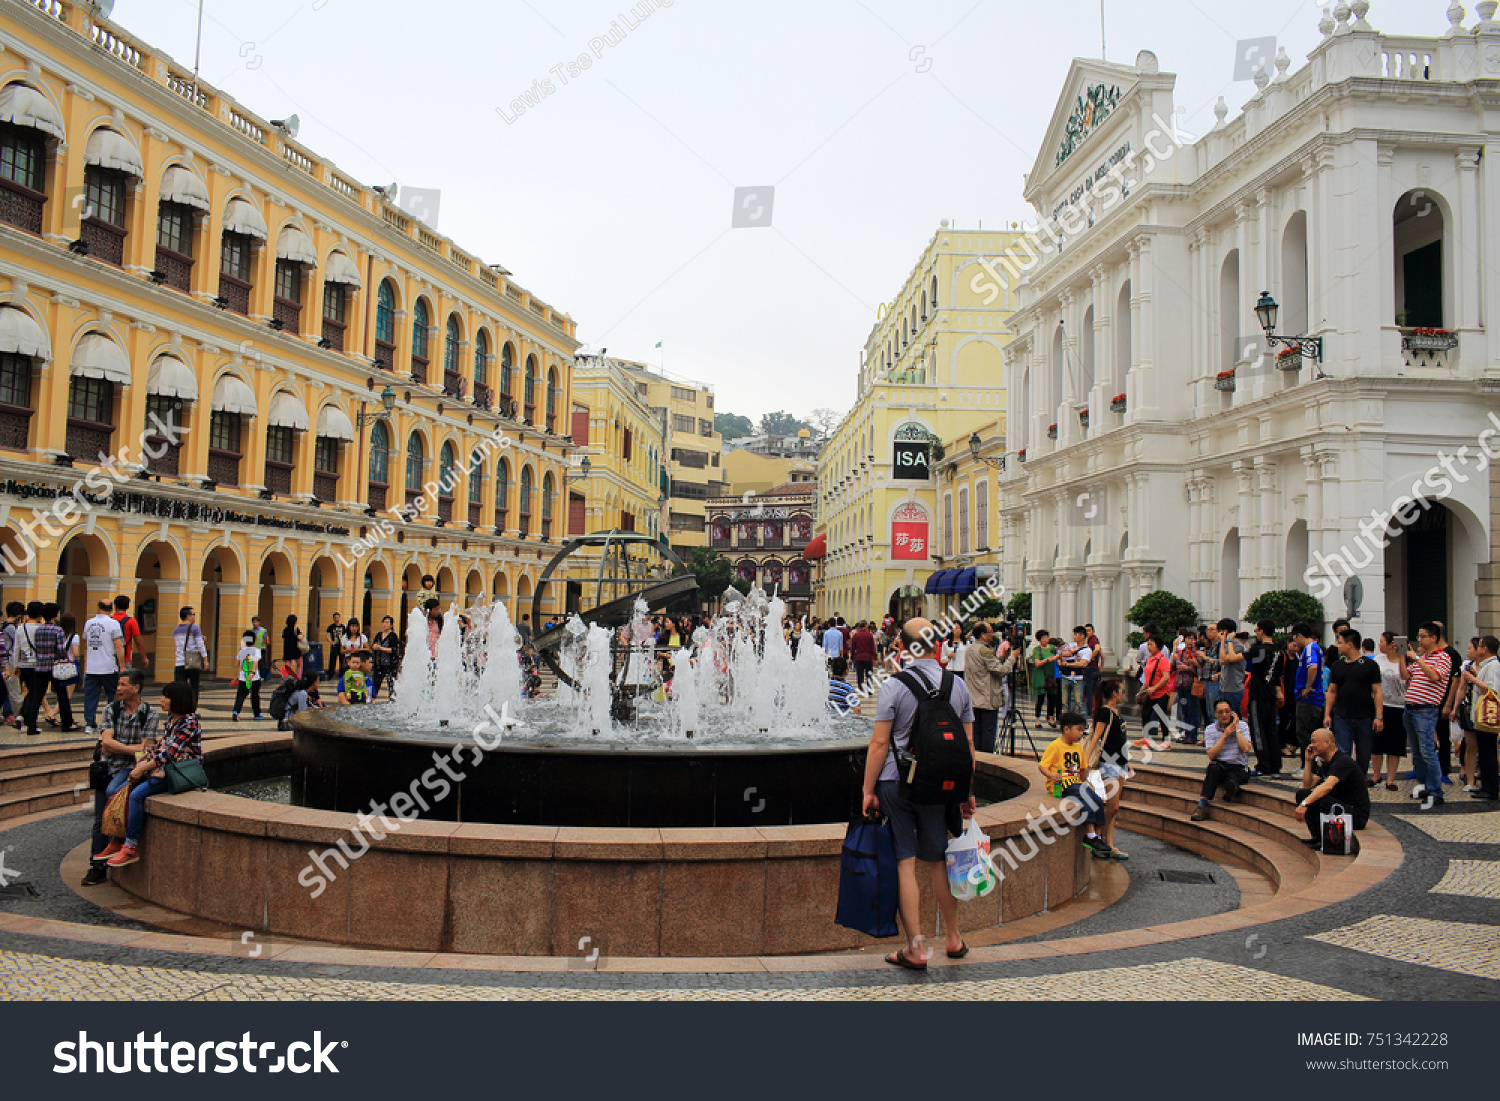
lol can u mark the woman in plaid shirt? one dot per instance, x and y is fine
(181, 740)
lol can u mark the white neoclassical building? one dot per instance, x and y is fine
(1157, 443)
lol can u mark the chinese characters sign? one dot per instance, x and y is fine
(909, 534)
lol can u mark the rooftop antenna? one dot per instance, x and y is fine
(107, 5)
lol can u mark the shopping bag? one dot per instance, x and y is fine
(867, 880)
(115, 812)
(1096, 781)
(1337, 831)
(970, 873)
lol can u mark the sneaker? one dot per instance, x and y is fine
(128, 855)
(1469, 787)
(234, 716)
(109, 850)
(1447, 779)
(94, 876)
(1098, 847)
(91, 731)
(1200, 814)
(1436, 801)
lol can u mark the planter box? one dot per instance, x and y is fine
(1052, 432)
(1225, 384)
(1117, 405)
(1292, 362)
(1418, 342)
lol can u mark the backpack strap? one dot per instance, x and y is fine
(916, 685)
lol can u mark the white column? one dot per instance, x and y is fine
(1466, 272)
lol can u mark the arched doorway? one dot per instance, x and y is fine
(1229, 575)
(160, 590)
(523, 598)
(83, 557)
(221, 575)
(411, 593)
(277, 578)
(474, 589)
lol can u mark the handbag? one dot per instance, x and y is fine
(302, 644)
(192, 660)
(1198, 688)
(185, 776)
(65, 671)
(868, 890)
(99, 771)
(1337, 831)
(115, 813)
(1487, 712)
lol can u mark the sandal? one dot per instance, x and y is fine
(961, 953)
(900, 960)
(1392, 787)
(1118, 855)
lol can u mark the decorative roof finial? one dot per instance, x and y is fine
(1326, 23)
(1341, 13)
(1455, 19)
(1221, 112)
(1360, 8)
(1283, 63)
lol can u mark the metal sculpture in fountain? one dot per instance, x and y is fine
(628, 569)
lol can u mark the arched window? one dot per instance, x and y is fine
(380, 463)
(525, 502)
(547, 495)
(416, 459)
(481, 363)
(476, 482)
(551, 400)
(502, 495)
(451, 373)
(447, 481)
(385, 326)
(507, 362)
(420, 323)
(530, 395)
(1229, 311)
(934, 294)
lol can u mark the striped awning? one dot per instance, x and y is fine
(334, 424)
(23, 105)
(242, 217)
(233, 395)
(341, 269)
(169, 377)
(111, 149)
(98, 356)
(294, 245)
(20, 335)
(179, 185)
(287, 412)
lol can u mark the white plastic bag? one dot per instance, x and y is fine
(1096, 781)
(970, 873)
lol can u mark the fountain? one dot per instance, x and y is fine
(729, 730)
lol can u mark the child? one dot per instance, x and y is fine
(247, 676)
(1065, 764)
(354, 687)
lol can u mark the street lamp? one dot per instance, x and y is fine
(584, 466)
(1309, 347)
(387, 403)
(975, 443)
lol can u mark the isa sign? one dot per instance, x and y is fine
(912, 460)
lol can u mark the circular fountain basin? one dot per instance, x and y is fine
(341, 766)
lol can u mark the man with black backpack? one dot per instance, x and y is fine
(918, 773)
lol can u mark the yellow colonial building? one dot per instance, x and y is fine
(353, 400)
(620, 440)
(930, 372)
(693, 452)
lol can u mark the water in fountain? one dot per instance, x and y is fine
(736, 683)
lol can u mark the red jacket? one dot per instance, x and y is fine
(863, 644)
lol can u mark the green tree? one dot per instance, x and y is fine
(732, 426)
(1019, 605)
(1286, 608)
(780, 423)
(1164, 610)
(713, 571)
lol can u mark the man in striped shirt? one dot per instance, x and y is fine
(1425, 670)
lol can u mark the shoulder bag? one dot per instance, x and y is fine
(192, 660)
(183, 776)
(66, 670)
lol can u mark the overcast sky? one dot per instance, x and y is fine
(612, 197)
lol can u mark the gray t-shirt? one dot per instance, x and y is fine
(1231, 754)
(1232, 673)
(898, 706)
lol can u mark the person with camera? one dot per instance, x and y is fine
(985, 673)
(1425, 669)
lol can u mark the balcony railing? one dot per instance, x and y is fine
(88, 440)
(279, 478)
(21, 207)
(325, 485)
(161, 456)
(177, 268)
(484, 397)
(237, 291)
(453, 383)
(377, 496)
(419, 369)
(333, 332)
(289, 313)
(15, 427)
(473, 514)
(105, 242)
(385, 355)
(445, 509)
(224, 467)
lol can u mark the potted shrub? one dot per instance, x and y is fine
(1052, 431)
(1083, 416)
(1224, 380)
(1117, 403)
(1289, 359)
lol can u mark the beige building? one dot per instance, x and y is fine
(765, 536)
(931, 371)
(693, 452)
(750, 472)
(624, 439)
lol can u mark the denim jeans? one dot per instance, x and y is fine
(96, 685)
(986, 723)
(1090, 687)
(1089, 799)
(1421, 729)
(1355, 737)
(136, 820)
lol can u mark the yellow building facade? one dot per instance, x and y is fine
(624, 440)
(930, 372)
(169, 258)
(693, 453)
(748, 472)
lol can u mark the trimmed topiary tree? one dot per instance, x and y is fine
(1164, 610)
(1286, 608)
(1019, 606)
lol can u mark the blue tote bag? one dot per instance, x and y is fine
(867, 880)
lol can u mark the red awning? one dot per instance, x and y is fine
(816, 549)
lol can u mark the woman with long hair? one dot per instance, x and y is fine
(1107, 743)
(291, 646)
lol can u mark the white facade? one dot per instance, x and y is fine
(1329, 191)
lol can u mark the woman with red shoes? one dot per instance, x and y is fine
(181, 740)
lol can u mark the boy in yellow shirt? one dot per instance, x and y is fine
(1066, 765)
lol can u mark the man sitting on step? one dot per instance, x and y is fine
(1331, 776)
(1228, 744)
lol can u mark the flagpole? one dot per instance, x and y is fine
(1103, 49)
